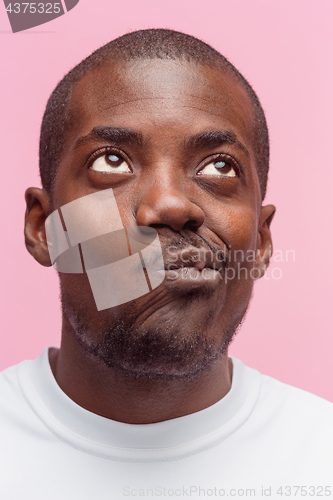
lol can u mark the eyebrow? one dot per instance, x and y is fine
(214, 138)
(114, 135)
(119, 136)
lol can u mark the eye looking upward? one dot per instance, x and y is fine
(109, 163)
(220, 167)
(114, 163)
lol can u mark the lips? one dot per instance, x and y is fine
(192, 257)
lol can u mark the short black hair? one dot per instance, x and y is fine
(143, 44)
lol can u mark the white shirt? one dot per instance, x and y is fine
(264, 438)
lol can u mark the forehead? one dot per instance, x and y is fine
(152, 94)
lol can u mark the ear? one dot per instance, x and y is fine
(265, 245)
(38, 209)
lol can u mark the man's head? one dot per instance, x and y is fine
(178, 135)
(142, 45)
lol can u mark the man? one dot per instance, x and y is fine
(155, 149)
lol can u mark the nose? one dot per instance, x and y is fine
(167, 202)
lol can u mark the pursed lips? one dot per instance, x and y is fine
(192, 257)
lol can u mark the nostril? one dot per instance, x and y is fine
(192, 225)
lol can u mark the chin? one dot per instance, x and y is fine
(158, 338)
(163, 352)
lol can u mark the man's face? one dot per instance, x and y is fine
(174, 141)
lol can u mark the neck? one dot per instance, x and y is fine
(106, 392)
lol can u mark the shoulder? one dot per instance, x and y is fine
(9, 385)
(297, 415)
(293, 414)
(282, 397)
(289, 398)
(12, 400)
(291, 429)
(16, 412)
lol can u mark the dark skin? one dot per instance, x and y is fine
(167, 183)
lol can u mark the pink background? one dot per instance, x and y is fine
(284, 48)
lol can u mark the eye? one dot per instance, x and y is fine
(220, 167)
(109, 163)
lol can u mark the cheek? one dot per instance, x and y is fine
(237, 228)
(78, 303)
(76, 292)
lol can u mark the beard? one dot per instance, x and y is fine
(165, 351)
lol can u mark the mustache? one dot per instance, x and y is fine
(192, 250)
